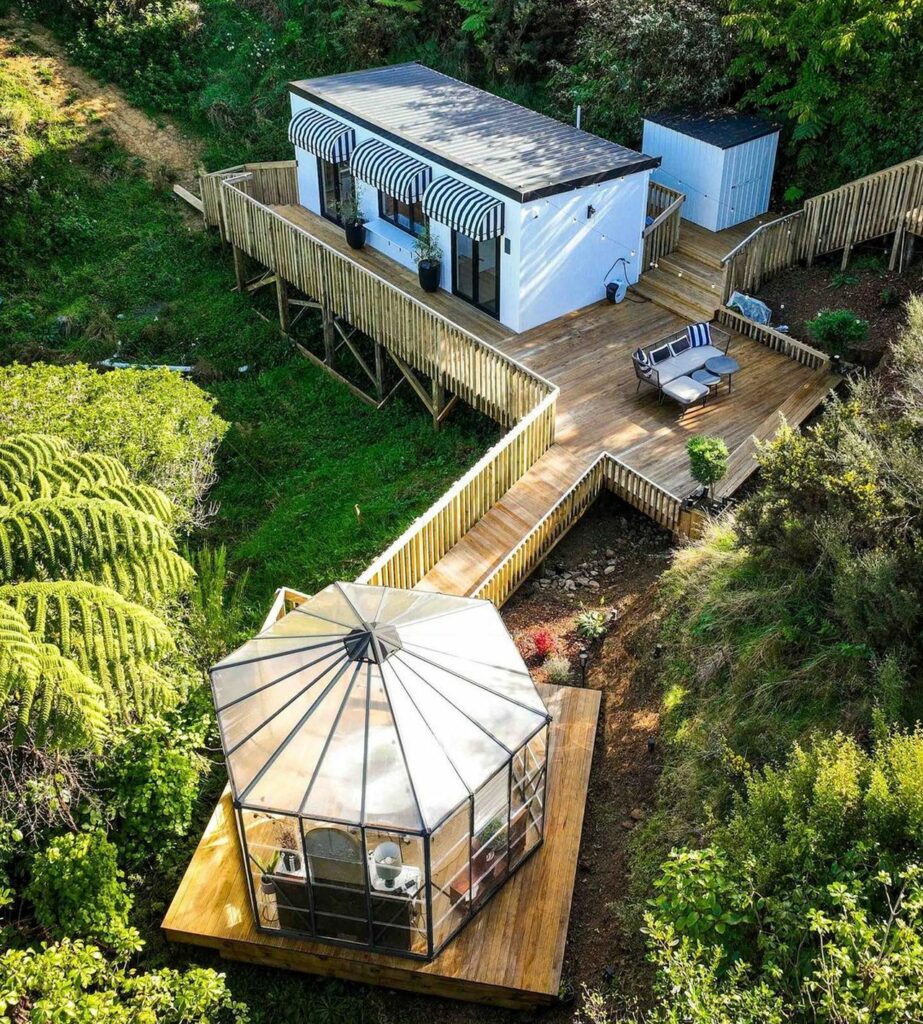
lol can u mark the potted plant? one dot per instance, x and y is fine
(349, 212)
(291, 859)
(428, 257)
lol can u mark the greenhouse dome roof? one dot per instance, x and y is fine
(373, 706)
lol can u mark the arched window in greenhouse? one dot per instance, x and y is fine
(387, 756)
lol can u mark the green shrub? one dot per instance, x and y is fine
(558, 669)
(78, 890)
(825, 897)
(72, 982)
(708, 459)
(163, 428)
(150, 781)
(838, 330)
(216, 614)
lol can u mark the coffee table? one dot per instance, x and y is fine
(722, 366)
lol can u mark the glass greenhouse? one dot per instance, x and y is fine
(387, 756)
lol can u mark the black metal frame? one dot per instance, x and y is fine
(392, 218)
(475, 299)
(331, 215)
(425, 836)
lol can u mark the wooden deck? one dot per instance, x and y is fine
(511, 954)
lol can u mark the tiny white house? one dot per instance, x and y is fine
(722, 162)
(532, 216)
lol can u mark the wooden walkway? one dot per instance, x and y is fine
(510, 955)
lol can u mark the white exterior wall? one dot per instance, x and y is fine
(557, 257)
(722, 186)
(566, 255)
(747, 180)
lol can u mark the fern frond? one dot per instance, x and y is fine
(24, 455)
(44, 690)
(83, 536)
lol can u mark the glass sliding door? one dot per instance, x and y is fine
(336, 184)
(476, 272)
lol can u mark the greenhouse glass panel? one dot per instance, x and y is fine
(450, 867)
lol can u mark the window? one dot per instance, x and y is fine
(408, 217)
(336, 182)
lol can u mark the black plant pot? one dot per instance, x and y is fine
(429, 271)
(355, 235)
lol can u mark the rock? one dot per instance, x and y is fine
(593, 585)
(570, 585)
(610, 553)
(628, 823)
(609, 570)
(581, 581)
(636, 814)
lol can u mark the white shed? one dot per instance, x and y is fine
(723, 163)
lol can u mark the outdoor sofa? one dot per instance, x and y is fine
(670, 363)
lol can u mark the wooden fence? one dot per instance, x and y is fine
(269, 183)
(483, 376)
(661, 236)
(778, 342)
(870, 207)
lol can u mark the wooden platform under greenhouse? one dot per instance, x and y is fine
(510, 954)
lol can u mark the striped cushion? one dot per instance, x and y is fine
(644, 363)
(699, 334)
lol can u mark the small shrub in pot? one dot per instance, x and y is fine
(428, 256)
(349, 211)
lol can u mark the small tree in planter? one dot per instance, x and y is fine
(428, 257)
(349, 212)
(708, 460)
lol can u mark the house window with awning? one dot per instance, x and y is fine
(332, 142)
(476, 220)
(400, 179)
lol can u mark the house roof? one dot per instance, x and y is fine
(520, 153)
(721, 128)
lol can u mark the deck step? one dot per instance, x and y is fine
(693, 270)
(679, 295)
(701, 244)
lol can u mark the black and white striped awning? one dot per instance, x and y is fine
(322, 135)
(388, 169)
(470, 212)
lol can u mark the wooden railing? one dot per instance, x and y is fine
(535, 547)
(606, 471)
(661, 236)
(778, 342)
(471, 368)
(270, 183)
(444, 524)
(867, 208)
(770, 248)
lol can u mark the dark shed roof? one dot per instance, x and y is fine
(517, 151)
(721, 128)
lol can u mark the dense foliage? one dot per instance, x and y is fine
(836, 330)
(86, 559)
(73, 981)
(161, 427)
(78, 890)
(818, 68)
(812, 891)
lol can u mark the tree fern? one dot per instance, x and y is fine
(107, 636)
(82, 550)
(45, 691)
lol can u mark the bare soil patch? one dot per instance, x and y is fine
(797, 295)
(166, 151)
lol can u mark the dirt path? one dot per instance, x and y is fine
(165, 150)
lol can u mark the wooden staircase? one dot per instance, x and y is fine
(688, 280)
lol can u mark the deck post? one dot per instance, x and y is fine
(240, 273)
(379, 372)
(282, 302)
(438, 393)
(329, 338)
